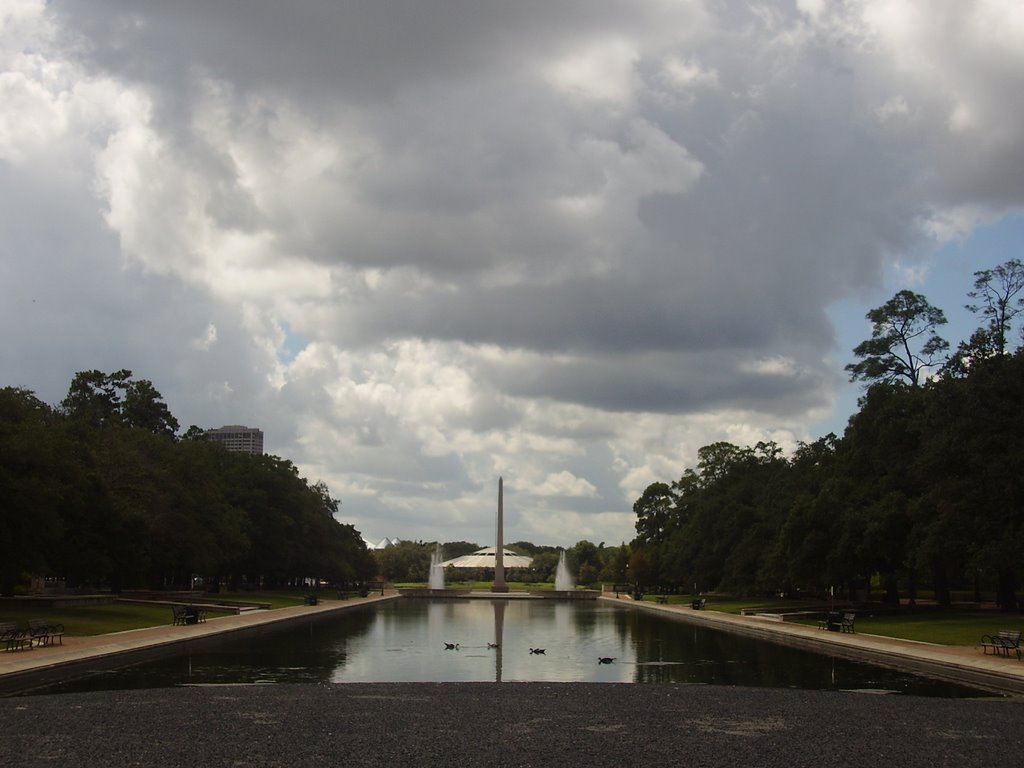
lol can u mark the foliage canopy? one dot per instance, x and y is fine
(101, 493)
(924, 490)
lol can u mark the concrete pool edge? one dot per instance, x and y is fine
(27, 669)
(24, 670)
(955, 664)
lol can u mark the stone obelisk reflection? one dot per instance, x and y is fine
(499, 628)
(499, 550)
(499, 583)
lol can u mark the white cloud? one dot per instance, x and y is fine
(813, 8)
(684, 74)
(603, 71)
(208, 339)
(568, 245)
(565, 484)
(895, 108)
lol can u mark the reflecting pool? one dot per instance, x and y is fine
(419, 640)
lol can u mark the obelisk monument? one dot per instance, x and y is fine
(499, 549)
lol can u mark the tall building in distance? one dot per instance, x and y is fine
(235, 437)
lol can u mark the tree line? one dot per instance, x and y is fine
(589, 563)
(101, 492)
(924, 491)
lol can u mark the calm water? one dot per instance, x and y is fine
(404, 641)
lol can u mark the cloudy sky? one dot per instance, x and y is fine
(425, 243)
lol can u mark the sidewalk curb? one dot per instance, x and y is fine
(24, 670)
(989, 672)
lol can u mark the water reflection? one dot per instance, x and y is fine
(499, 636)
(405, 641)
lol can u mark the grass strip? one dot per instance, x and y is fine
(90, 620)
(941, 628)
(954, 628)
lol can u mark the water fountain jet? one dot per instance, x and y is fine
(563, 579)
(436, 569)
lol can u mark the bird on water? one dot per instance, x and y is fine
(537, 650)
(605, 659)
(451, 646)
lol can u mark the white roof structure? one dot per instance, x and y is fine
(484, 558)
(382, 544)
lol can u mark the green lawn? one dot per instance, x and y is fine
(732, 604)
(930, 626)
(98, 619)
(117, 617)
(939, 627)
(273, 599)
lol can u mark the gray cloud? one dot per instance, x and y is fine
(425, 243)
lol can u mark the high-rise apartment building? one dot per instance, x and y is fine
(235, 437)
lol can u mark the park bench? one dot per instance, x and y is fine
(698, 603)
(44, 632)
(188, 614)
(663, 599)
(836, 621)
(13, 638)
(1002, 643)
(312, 600)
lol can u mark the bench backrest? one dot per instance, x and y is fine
(8, 626)
(1010, 636)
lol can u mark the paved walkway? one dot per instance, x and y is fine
(505, 725)
(484, 725)
(969, 665)
(38, 662)
(960, 663)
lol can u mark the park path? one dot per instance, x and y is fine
(76, 650)
(962, 664)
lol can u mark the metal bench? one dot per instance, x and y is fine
(1002, 643)
(13, 638)
(188, 614)
(836, 621)
(44, 632)
(847, 621)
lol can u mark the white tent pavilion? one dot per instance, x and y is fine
(484, 558)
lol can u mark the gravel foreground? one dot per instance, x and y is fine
(464, 725)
